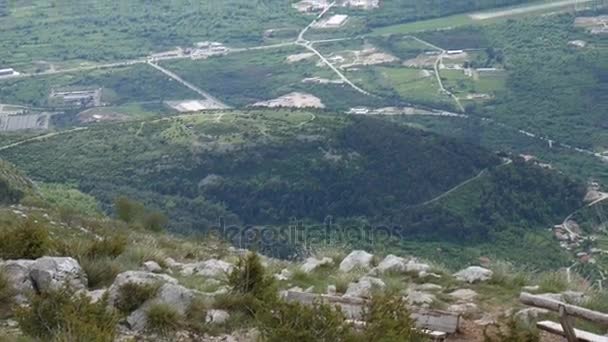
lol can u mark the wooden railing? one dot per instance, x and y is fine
(566, 312)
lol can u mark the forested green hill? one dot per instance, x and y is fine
(269, 167)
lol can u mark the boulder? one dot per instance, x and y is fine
(356, 259)
(17, 273)
(530, 315)
(96, 295)
(152, 266)
(427, 287)
(463, 308)
(474, 274)
(217, 316)
(415, 266)
(212, 268)
(175, 296)
(331, 290)
(136, 277)
(52, 273)
(575, 297)
(420, 298)
(392, 263)
(463, 295)
(531, 288)
(284, 275)
(364, 287)
(311, 264)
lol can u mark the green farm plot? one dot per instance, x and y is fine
(408, 84)
(477, 18)
(403, 47)
(139, 83)
(474, 86)
(249, 77)
(110, 30)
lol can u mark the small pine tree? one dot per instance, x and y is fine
(388, 320)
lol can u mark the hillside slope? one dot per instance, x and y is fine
(271, 167)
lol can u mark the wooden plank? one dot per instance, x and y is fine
(352, 308)
(571, 310)
(556, 328)
(447, 322)
(564, 320)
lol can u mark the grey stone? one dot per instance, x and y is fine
(212, 268)
(217, 316)
(52, 273)
(356, 259)
(311, 264)
(463, 295)
(364, 287)
(474, 274)
(174, 296)
(392, 263)
(136, 277)
(18, 276)
(152, 266)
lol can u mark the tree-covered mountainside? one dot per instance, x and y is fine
(271, 167)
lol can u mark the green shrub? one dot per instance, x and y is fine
(388, 320)
(553, 282)
(7, 293)
(163, 319)
(132, 295)
(100, 272)
(109, 246)
(30, 240)
(128, 210)
(249, 277)
(155, 221)
(296, 322)
(196, 316)
(62, 316)
(511, 331)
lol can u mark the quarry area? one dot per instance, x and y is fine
(294, 100)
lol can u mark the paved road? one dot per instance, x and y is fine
(309, 46)
(217, 104)
(526, 9)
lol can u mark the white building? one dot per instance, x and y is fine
(336, 20)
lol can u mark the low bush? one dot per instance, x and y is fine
(510, 331)
(388, 320)
(296, 322)
(63, 316)
(29, 240)
(7, 293)
(250, 281)
(132, 296)
(553, 282)
(107, 247)
(163, 319)
(101, 272)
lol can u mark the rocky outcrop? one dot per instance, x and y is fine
(392, 264)
(18, 276)
(530, 315)
(43, 275)
(364, 287)
(52, 273)
(212, 268)
(311, 264)
(474, 274)
(463, 295)
(420, 298)
(152, 266)
(136, 277)
(356, 259)
(217, 316)
(177, 297)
